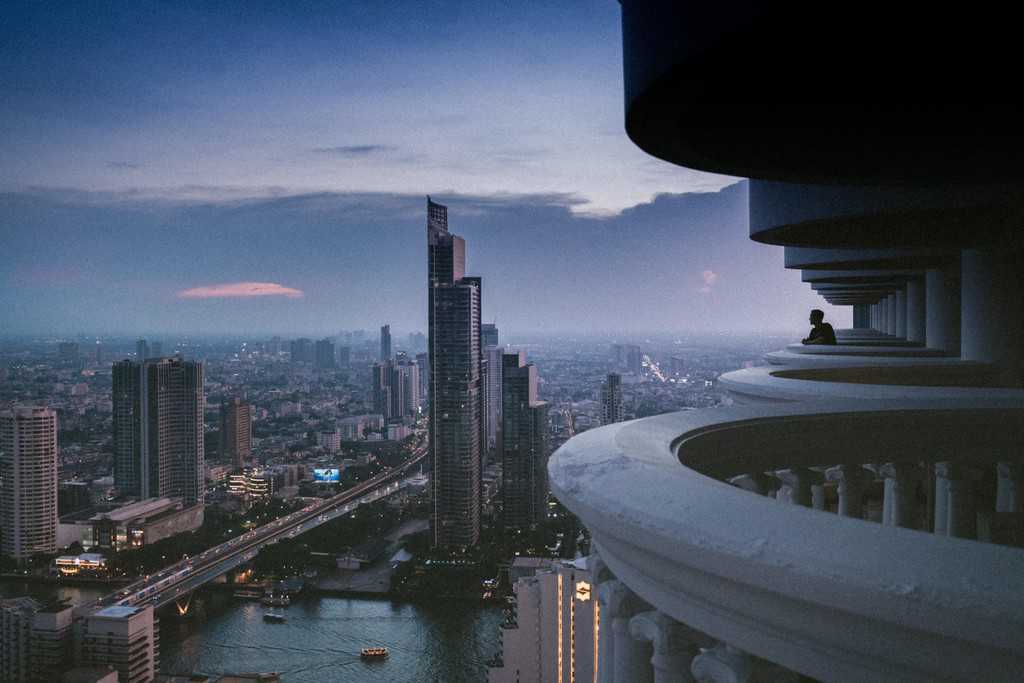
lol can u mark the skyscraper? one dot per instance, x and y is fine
(396, 389)
(488, 334)
(236, 432)
(324, 355)
(380, 377)
(524, 451)
(456, 392)
(492, 394)
(301, 350)
(158, 428)
(28, 481)
(423, 360)
(141, 350)
(611, 400)
(385, 343)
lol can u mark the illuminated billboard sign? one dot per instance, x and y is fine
(327, 475)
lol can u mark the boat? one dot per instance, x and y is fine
(276, 600)
(374, 653)
(244, 594)
(273, 618)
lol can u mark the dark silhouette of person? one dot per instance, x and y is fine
(821, 331)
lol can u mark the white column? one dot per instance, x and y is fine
(916, 318)
(1008, 494)
(756, 482)
(898, 504)
(818, 496)
(942, 310)
(874, 316)
(851, 480)
(992, 311)
(961, 517)
(901, 313)
(941, 501)
(890, 309)
(797, 483)
(673, 643)
(631, 659)
(723, 664)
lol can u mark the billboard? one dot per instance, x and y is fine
(326, 475)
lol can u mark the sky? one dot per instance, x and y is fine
(262, 167)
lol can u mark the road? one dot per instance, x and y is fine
(181, 578)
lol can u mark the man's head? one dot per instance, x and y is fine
(817, 316)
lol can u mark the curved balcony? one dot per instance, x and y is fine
(686, 557)
(884, 378)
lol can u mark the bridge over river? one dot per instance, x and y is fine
(177, 581)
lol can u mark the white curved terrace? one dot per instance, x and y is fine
(964, 383)
(835, 598)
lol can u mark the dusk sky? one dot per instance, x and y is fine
(250, 167)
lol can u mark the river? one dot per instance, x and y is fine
(320, 641)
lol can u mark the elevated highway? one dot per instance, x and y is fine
(178, 580)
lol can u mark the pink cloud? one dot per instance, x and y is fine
(240, 289)
(709, 277)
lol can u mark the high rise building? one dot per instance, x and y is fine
(634, 360)
(380, 377)
(488, 335)
(396, 388)
(456, 392)
(141, 350)
(28, 481)
(156, 350)
(492, 396)
(301, 350)
(324, 355)
(16, 638)
(344, 356)
(158, 429)
(611, 400)
(385, 343)
(423, 361)
(124, 638)
(524, 451)
(99, 352)
(68, 353)
(236, 432)
(552, 632)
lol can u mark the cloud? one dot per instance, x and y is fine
(709, 278)
(123, 165)
(350, 151)
(240, 289)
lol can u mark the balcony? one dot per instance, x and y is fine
(705, 577)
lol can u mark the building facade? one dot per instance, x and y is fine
(456, 390)
(158, 429)
(125, 638)
(28, 481)
(324, 355)
(524, 451)
(551, 632)
(236, 432)
(385, 343)
(611, 400)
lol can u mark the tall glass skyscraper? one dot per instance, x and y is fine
(456, 387)
(158, 429)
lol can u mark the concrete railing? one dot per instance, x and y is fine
(700, 577)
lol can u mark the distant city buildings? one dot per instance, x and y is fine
(611, 400)
(456, 391)
(385, 343)
(344, 356)
(492, 386)
(324, 355)
(158, 410)
(551, 634)
(396, 389)
(302, 350)
(28, 481)
(236, 432)
(524, 451)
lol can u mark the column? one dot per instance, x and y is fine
(723, 664)
(631, 658)
(960, 515)
(851, 480)
(797, 483)
(890, 310)
(942, 310)
(674, 645)
(992, 311)
(1008, 497)
(605, 637)
(861, 316)
(898, 505)
(916, 317)
(901, 313)
(756, 482)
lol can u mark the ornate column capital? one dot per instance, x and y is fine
(723, 664)
(618, 600)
